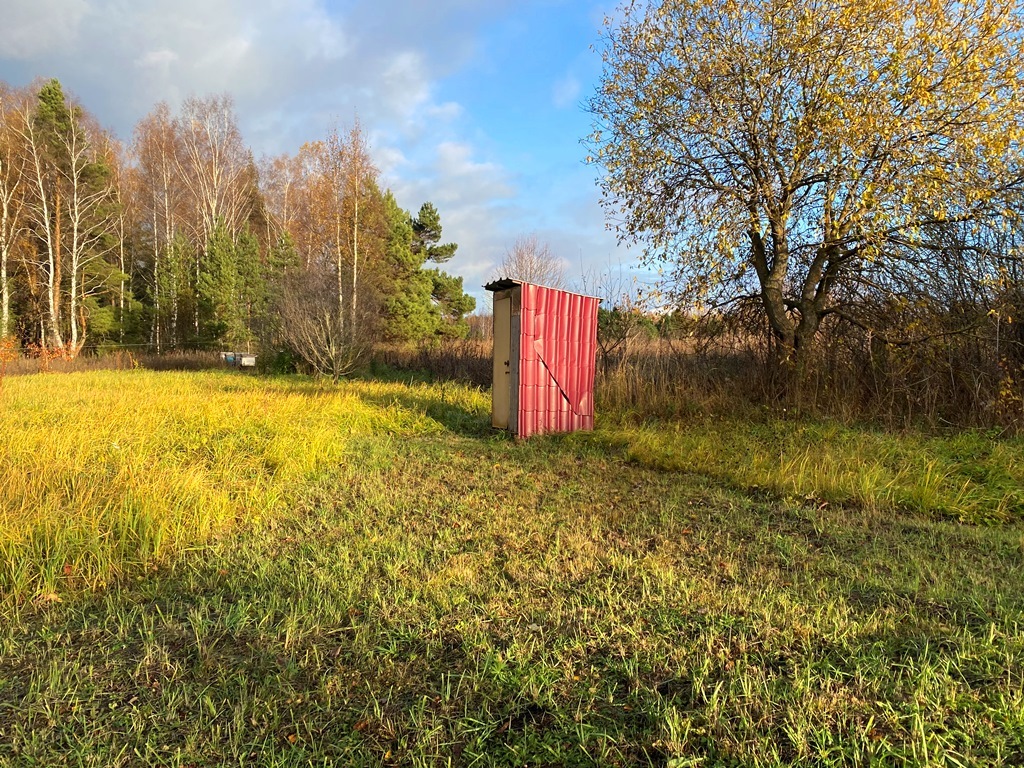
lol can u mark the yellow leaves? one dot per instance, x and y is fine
(905, 106)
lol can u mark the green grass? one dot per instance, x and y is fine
(969, 476)
(270, 572)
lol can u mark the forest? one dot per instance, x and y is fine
(182, 239)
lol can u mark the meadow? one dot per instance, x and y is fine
(212, 568)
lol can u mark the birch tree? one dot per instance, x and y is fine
(44, 204)
(212, 164)
(282, 188)
(358, 192)
(215, 169)
(68, 187)
(123, 214)
(157, 149)
(531, 260)
(88, 181)
(12, 190)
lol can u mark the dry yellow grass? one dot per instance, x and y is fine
(108, 470)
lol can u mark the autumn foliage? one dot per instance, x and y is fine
(834, 167)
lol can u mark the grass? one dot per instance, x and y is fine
(969, 476)
(270, 572)
(108, 471)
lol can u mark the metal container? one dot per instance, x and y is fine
(545, 347)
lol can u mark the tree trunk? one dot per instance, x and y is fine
(195, 314)
(5, 295)
(341, 278)
(120, 297)
(54, 255)
(8, 226)
(174, 308)
(5, 287)
(355, 269)
(76, 257)
(156, 285)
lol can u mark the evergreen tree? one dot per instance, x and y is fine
(452, 302)
(418, 303)
(426, 229)
(407, 311)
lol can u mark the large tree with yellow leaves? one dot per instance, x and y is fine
(801, 154)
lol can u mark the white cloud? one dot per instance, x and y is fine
(448, 111)
(32, 28)
(295, 67)
(390, 159)
(566, 91)
(160, 59)
(404, 85)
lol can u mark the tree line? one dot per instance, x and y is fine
(182, 239)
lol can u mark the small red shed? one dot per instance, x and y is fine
(545, 346)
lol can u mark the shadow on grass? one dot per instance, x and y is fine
(295, 643)
(454, 417)
(443, 403)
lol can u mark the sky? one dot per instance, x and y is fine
(475, 105)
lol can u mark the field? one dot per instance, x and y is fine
(202, 569)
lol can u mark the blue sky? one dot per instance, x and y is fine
(476, 105)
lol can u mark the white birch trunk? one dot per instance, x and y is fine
(41, 214)
(156, 282)
(5, 248)
(355, 268)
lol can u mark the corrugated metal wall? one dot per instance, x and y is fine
(556, 361)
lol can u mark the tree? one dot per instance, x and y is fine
(794, 153)
(418, 303)
(621, 316)
(358, 192)
(157, 150)
(453, 303)
(532, 261)
(88, 176)
(70, 184)
(426, 228)
(216, 172)
(311, 325)
(408, 313)
(39, 132)
(12, 195)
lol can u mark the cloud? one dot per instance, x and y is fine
(404, 84)
(33, 28)
(160, 59)
(565, 91)
(295, 68)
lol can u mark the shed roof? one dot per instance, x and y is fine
(504, 283)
